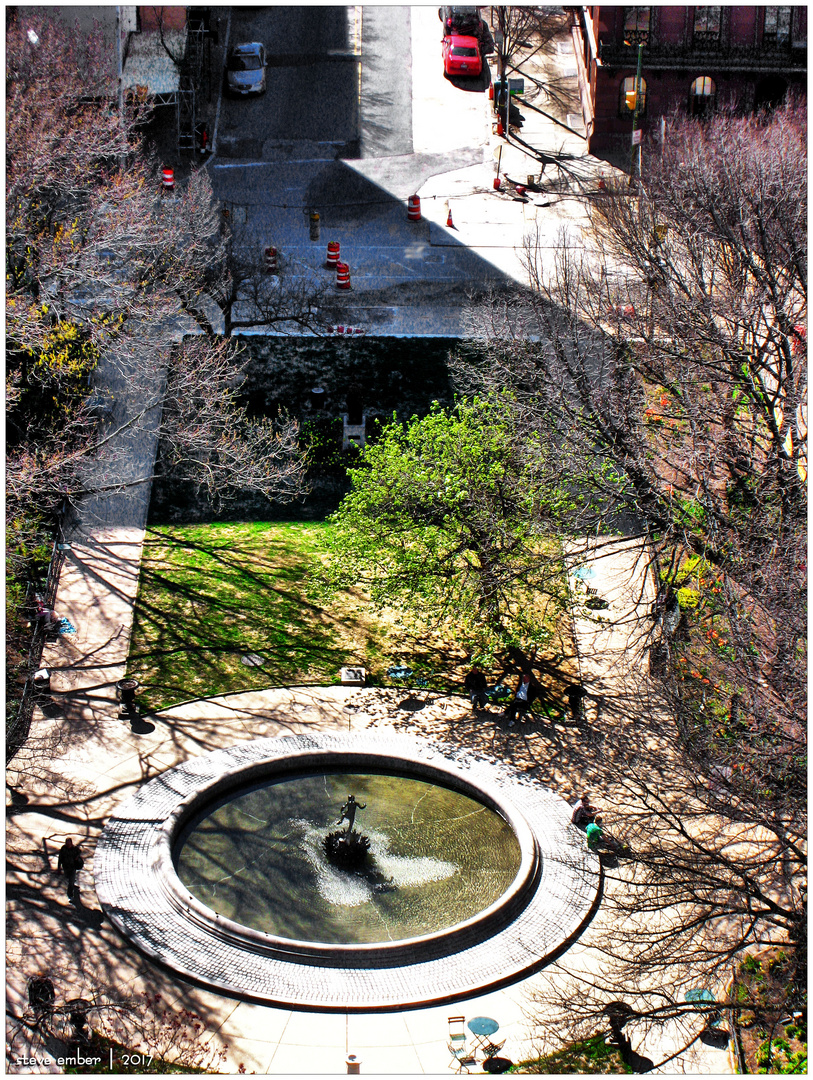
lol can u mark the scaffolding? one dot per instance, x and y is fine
(189, 84)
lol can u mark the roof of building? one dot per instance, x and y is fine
(148, 64)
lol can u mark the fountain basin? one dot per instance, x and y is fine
(441, 859)
(553, 892)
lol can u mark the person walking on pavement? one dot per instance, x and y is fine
(575, 700)
(476, 686)
(70, 862)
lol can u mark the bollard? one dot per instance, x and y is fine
(271, 260)
(332, 254)
(125, 693)
(497, 183)
(314, 225)
(167, 181)
(342, 276)
(414, 208)
(353, 1065)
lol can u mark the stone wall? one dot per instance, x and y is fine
(375, 377)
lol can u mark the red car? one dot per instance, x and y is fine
(461, 55)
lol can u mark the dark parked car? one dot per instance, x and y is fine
(460, 20)
(245, 69)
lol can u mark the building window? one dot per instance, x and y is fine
(777, 26)
(636, 25)
(707, 25)
(702, 94)
(627, 101)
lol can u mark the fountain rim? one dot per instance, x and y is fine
(552, 916)
(306, 762)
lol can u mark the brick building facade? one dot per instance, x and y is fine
(693, 59)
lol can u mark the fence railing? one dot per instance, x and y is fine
(720, 57)
(36, 594)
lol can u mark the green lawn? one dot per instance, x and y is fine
(210, 594)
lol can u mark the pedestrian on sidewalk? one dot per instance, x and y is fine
(476, 687)
(575, 700)
(69, 863)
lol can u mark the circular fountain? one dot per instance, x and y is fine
(218, 868)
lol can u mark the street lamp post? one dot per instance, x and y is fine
(636, 134)
(500, 42)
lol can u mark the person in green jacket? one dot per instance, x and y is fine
(594, 834)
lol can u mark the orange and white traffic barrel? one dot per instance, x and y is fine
(342, 275)
(167, 180)
(271, 260)
(332, 254)
(414, 208)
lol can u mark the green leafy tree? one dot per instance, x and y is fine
(452, 520)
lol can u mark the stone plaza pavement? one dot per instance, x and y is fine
(84, 760)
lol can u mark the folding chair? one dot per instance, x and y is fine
(457, 1030)
(491, 1049)
(461, 1057)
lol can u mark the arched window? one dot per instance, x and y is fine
(626, 104)
(702, 95)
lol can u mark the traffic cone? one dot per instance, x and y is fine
(449, 222)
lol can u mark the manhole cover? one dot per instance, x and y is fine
(253, 660)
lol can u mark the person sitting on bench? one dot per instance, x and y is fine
(583, 812)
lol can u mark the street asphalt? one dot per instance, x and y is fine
(419, 134)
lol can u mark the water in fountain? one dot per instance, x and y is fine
(436, 858)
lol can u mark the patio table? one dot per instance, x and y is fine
(482, 1028)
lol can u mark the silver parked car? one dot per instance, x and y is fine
(245, 68)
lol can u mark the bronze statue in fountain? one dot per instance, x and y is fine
(346, 847)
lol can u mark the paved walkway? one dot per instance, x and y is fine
(84, 761)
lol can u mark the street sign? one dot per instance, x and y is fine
(515, 86)
(636, 137)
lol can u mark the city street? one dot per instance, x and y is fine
(312, 80)
(357, 117)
